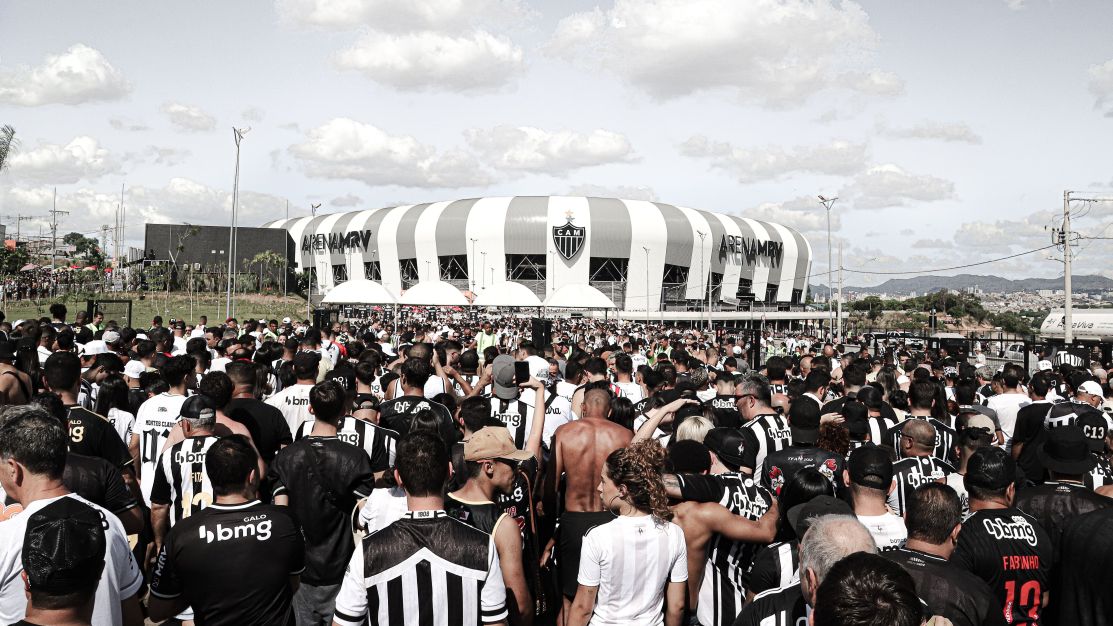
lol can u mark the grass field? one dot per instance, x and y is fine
(175, 305)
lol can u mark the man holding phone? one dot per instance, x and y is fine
(514, 409)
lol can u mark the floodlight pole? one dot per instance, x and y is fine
(646, 248)
(237, 134)
(827, 203)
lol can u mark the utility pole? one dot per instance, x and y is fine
(827, 204)
(646, 248)
(238, 136)
(19, 219)
(1068, 331)
(703, 273)
(54, 238)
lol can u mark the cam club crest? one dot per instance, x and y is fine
(569, 238)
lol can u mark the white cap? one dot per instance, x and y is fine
(1092, 388)
(95, 347)
(737, 350)
(1045, 365)
(140, 336)
(285, 320)
(134, 369)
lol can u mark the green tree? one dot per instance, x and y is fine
(265, 262)
(8, 145)
(86, 248)
(11, 261)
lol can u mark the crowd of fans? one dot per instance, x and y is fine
(457, 470)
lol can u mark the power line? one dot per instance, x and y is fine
(954, 267)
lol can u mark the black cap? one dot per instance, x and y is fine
(64, 547)
(803, 420)
(199, 407)
(1063, 413)
(1066, 451)
(991, 468)
(853, 410)
(727, 444)
(870, 466)
(689, 457)
(800, 516)
(307, 360)
(1095, 429)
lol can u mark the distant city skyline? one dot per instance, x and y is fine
(948, 130)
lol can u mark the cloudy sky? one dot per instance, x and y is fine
(947, 128)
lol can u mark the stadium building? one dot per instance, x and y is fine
(644, 256)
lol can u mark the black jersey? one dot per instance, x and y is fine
(781, 466)
(762, 436)
(949, 591)
(778, 389)
(1053, 504)
(944, 437)
(778, 607)
(725, 410)
(93, 435)
(1081, 595)
(773, 566)
(722, 592)
(233, 563)
(265, 423)
(911, 472)
(1101, 475)
(1010, 551)
(324, 478)
(181, 480)
(378, 442)
(98, 481)
(1030, 432)
(484, 515)
(397, 414)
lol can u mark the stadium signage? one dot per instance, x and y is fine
(568, 239)
(337, 242)
(749, 251)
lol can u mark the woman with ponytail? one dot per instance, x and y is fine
(633, 569)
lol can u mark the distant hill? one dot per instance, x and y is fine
(987, 283)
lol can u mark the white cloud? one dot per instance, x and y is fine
(253, 114)
(398, 15)
(119, 123)
(528, 149)
(347, 200)
(343, 148)
(81, 159)
(78, 75)
(888, 185)
(1003, 235)
(1015, 5)
(418, 61)
(958, 132)
(169, 157)
(804, 214)
(620, 191)
(188, 117)
(777, 162)
(772, 52)
(1101, 85)
(932, 244)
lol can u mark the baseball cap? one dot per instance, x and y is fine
(63, 547)
(1067, 451)
(1063, 413)
(1092, 388)
(285, 320)
(980, 420)
(493, 442)
(803, 420)
(1044, 365)
(870, 466)
(502, 373)
(737, 350)
(1095, 428)
(199, 408)
(95, 347)
(110, 337)
(990, 467)
(727, 444)
(134, 369)
(689, 457)
(800, 516)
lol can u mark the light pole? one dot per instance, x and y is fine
(237, 134)
(703, 272)
(429, 270)
(483, 270)
(646, 248)
(471, 270)
(827, 204)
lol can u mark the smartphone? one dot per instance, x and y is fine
(521, 372)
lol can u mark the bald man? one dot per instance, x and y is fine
(580, 449)
(916, 465)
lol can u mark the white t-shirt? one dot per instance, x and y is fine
(218, 364)
(123, 422)
(631, 559)
(633, 391)
(156, 417)
(293, 401)
(958, 482)
(887, 530)
(382, 508)
(121, 578)
(1007, 405)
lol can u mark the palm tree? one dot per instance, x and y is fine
(8, 144)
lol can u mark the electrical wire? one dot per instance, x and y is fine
(953, 267)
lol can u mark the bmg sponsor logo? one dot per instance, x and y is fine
(259, 529)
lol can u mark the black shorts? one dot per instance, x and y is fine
(573, 526)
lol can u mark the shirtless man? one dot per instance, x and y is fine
(579, 450)
(15, 386)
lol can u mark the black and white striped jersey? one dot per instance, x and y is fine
(774, 567)
(762, 435)
(911, 472)
(181, 480)
(777, 607)
(944, 437)
(378, 442)
(1101, 475)
(426, 569)
(517, 415)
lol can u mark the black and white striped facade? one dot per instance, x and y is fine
(546, 242)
